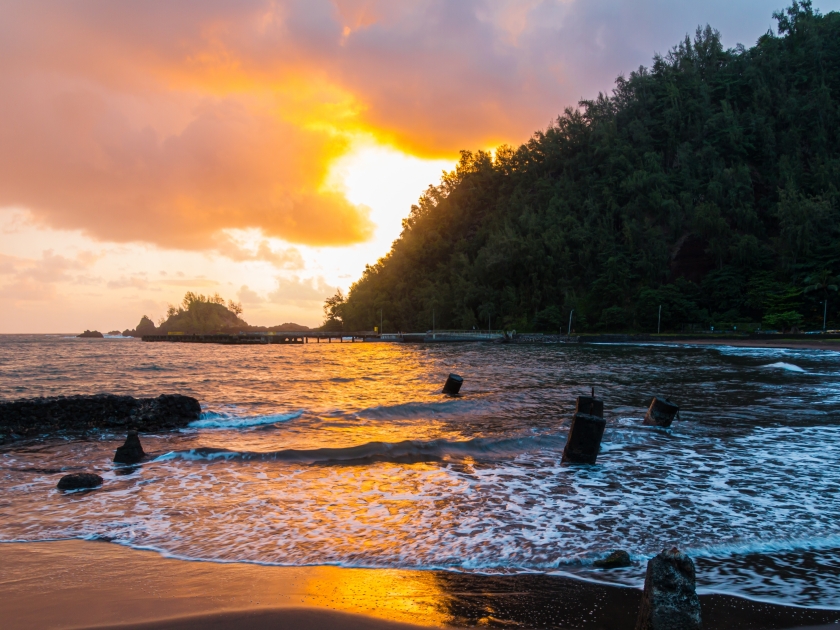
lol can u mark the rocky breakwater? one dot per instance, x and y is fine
(80, 415)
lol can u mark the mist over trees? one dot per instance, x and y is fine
(707, 184)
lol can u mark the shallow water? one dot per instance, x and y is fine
(348, 454)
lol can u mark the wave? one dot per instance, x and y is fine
(781, 365)
(406, 452)
(211, 420)
(404, 411)
(766, 547)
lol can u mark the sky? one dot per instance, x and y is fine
(267, 150)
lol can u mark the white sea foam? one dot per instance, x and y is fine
(225, 421)
(781, 365)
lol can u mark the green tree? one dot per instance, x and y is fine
(706, 183)
(334, 311)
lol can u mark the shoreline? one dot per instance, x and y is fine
(85, 584)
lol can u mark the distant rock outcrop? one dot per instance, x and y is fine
(145, 327)
(92, 334)
(79, 415)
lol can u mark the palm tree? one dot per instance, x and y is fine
(825, 282)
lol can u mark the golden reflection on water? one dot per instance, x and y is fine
(408, 596)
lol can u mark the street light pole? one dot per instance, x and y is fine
(380, 321)
(569, 333)
(825, 312)
(659, 321)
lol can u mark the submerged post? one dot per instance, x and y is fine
(584, 440)
(661, 412)
(453, 384)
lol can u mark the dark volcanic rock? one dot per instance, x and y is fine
(79, 415)
(131, 452)
(79, 481)
(615, 560)
(670, 601)
(94, 334)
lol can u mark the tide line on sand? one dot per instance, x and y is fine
(104, 585)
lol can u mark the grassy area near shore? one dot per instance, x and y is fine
(82, 584)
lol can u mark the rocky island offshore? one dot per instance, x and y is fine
(203, 314)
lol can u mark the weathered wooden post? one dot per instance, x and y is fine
(453, 384)
(584, 440)
(661, 412)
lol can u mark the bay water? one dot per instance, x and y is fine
(348, 454)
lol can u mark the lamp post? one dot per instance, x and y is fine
(380, 322)
(659, 321)
(825, 312)
(569, 333)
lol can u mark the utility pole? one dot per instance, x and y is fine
(825, 312)
(380, 321)
(659, 321)
(569, 334)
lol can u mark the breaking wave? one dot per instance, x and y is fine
(781, 365)
(213, 420)
(407, 451)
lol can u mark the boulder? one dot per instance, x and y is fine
(616, 560)
(79, 481)
(131, 452)
(670, 599)
(81, 415)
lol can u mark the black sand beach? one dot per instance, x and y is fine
(80, 584)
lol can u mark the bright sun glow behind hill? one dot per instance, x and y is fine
(388, 182)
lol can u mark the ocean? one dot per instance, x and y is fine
(348, 454)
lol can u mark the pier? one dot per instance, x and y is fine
(251, 338)
(312, 336)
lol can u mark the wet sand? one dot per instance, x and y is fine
(78, 584)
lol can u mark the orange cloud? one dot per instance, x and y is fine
(171, 122)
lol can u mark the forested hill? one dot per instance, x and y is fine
(707, 184)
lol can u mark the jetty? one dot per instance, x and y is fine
(266, 338)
